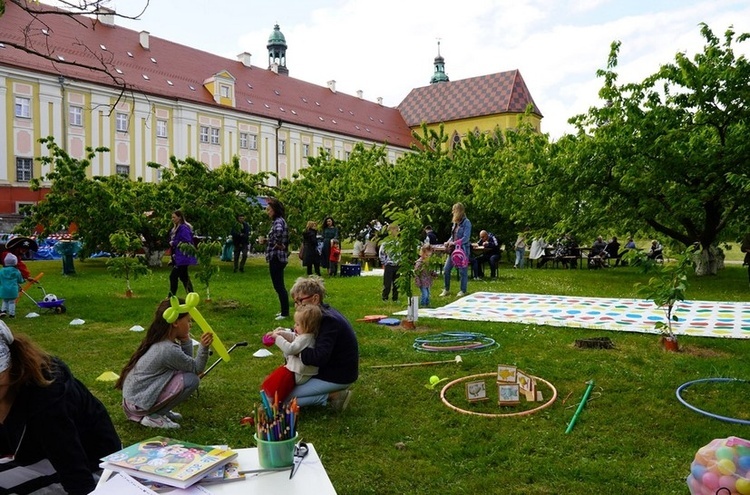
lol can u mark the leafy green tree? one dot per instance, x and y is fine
(659, 153)
(205, 253)
(125, 264)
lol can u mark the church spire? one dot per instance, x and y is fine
(439, 75)
(277, 51)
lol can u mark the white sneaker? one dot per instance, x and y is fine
(174, 416)
(281, 317)
(157, 421)
(444, 293)
(460, 294)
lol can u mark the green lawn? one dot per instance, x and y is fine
(633, 437)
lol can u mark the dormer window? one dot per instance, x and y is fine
(225, 91)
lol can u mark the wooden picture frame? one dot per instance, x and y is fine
(476, 391)
(524, 381)
(508, 394)
(506, 373)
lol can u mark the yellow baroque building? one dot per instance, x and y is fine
(88, 82)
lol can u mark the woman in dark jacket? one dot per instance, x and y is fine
(51, 427)
(330, 231)
(310, 255)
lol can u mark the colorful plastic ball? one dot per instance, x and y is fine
(710, 480)
(725, 453)
(434, 379)
(742, 486)
(744, 462)
(726, 466)
(728, 482)
(697, 470)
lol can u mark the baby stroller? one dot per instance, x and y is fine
(49, 302)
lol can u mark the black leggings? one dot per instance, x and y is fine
(179, 273)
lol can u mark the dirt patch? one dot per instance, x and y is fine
(703, 352)
(225, 304)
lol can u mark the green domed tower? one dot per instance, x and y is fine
(277, 51)
(439, 75)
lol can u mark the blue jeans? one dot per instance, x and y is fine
(314, 392)
(424, 301)
(464, 272)
(519, 257)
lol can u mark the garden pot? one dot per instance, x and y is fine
(670, 344)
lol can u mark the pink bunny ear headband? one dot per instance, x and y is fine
(6, 338)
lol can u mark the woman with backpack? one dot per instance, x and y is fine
(459, 241)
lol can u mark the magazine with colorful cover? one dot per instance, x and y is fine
(166, 460)
(228, 472)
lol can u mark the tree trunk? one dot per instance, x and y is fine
(153, 258)
(708, 261)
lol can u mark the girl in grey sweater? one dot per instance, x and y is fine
(162, 372)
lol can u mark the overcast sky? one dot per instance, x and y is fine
(387, 47)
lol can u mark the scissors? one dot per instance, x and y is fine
(300, 452)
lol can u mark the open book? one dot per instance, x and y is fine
(168, 461)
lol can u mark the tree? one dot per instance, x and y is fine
(658, 154)
(125, 264)
(205, 253)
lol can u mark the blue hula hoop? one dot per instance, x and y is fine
(706, 413)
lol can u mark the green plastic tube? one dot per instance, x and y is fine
(580, 406)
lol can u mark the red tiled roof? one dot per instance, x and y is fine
(504, 92)
(258, 91)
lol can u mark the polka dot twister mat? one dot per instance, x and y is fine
(698, 318)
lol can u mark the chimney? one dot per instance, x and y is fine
(144, 39)
(380, 100)
(275, 68)
(244, 59)
(332, 85)
(105, 16)
(360, 94)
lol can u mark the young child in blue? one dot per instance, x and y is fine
(10, 279)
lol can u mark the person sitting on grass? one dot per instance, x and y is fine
(53, 431)
(283, 379)
(336, 351)
(162, 372)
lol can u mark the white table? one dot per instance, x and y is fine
(310, 478)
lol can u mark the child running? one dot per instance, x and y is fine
(162, 372)
(283, 379)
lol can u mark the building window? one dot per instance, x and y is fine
(121, 122)
(305, 150)
(243, 140)
(224, 91)
(347, 155)
(23, 107)
(204, 134)
(122, 170)
(214, 135)
(282, 147)
(24, 209)
(76, 116)
(161, 128)
(253, 141)
(24, 169)
(328, 150)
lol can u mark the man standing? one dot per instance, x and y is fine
(241, 240)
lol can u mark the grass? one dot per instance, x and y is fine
(397, 437)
